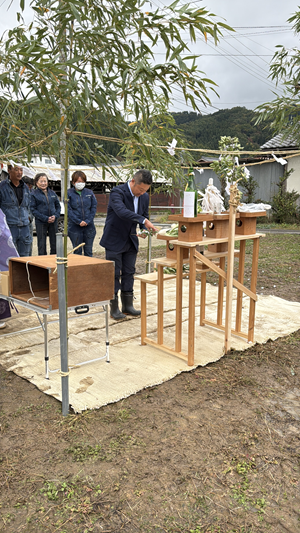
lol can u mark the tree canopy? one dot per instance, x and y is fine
(283, 112)
(204, 131)
(90, 65)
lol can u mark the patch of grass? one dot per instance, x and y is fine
(84, 452)
(242, 492)
(263, 222)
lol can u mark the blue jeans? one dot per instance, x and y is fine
(22, 239)
(85, 234)
(42, 230)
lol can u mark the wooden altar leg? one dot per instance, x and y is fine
(160, 304)
(143, 312)
(253, 289)
(192, 290)
(229, 277)
(178, 329)
(202, 298)
(221, 293)
(239, 300)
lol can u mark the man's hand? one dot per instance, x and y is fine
(149, 226)
(82, 223)
(51, 219)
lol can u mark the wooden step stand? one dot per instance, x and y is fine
(218, 228)
(152, 279)
(234, 283)
(219, 259)
(158, 278)
(246, 225)
(189, 229)
(195, 257)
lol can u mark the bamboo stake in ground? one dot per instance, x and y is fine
(233, 202)
(63, 324)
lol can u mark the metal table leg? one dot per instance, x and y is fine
(107, 337)
(46, 347)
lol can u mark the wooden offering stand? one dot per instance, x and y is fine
(221, 234)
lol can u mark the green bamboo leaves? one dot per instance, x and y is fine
(97, 59)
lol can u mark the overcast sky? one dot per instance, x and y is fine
(240, 63)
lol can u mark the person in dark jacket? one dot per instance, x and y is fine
(82, 207)
(15, 204)
(128, 206)
(45, 207)
(29, 183)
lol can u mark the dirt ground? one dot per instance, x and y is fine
(214, 450)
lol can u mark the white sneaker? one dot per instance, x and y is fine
(2, 325)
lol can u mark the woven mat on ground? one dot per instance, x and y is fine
(132, 367)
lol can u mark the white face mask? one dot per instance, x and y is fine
(79, 185)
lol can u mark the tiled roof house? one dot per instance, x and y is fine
(287, 143)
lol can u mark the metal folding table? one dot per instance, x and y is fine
(80, 310)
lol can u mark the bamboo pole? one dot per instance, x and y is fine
(63, 325)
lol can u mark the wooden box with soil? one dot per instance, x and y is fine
(33, 279)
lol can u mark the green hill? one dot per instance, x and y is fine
(204, 131)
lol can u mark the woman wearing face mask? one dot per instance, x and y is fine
(45, 207)
(82, 206)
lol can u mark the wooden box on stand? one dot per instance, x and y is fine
(246, 223)
(190, 229)
(33, 279)
(171, 248)
(217, 229)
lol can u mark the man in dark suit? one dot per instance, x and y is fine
(128, 206)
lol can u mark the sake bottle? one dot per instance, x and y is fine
(191, 187)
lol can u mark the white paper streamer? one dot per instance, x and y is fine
(212, 200)
(172, 146)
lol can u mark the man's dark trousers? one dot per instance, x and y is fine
(124, 266)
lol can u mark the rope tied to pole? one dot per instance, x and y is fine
(64, 260)
(64, 374)
(235, 195)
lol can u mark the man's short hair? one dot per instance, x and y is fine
(143, 176)
(10, 167)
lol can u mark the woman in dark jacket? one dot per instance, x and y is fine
(82, 206)
(45, 207)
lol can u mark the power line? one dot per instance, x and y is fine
(237, 62)
(258, 27)
(224, 55)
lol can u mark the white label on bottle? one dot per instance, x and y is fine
(189, 204)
